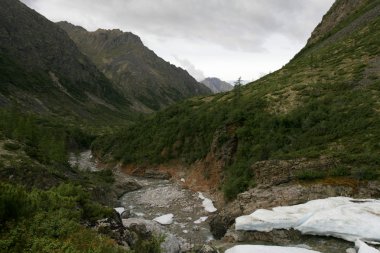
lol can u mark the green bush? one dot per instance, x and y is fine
(366, 173)
(10, 146)
(50, 221)
(310, 174)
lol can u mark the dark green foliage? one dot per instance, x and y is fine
(366, 173)
(45, 139)
(152, 245)
(14, 203)
(49, 221)
(239, 179)
(11, 146)
(310, 175)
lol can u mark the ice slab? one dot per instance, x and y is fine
(340, 217)
(267, 249)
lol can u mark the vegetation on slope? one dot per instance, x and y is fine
(46, 205)
(324, 102)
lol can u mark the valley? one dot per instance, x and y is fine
(107, 147)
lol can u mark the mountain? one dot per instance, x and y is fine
(148, 81)
(216, 85)
(316, 118)
(42, 70)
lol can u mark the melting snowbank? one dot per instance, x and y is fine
(166, 219)
(340, 217)
(361, 246)
(207, 203)
(267, 249)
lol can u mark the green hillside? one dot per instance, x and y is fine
(323, 103)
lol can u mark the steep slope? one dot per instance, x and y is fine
(42, 70)
(216, 85)
(150, 82)
(319, 114)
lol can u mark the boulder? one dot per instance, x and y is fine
(146, 229)
(207, 249)
(125, 186)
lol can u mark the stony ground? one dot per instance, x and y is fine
(160, 197)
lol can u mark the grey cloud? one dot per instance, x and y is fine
(193, 71)
(237, 25)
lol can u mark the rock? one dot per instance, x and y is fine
(154, 173)
(113, 227)
(207, 249)
(221, 222)
(127, 185)
(148, 228)
(126, 214)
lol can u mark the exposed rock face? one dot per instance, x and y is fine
(216, 85)
(338, 12)
(276, 172)
(147, 80)
(42, 69)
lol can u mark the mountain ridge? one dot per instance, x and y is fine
(43, 70)
(148, 81)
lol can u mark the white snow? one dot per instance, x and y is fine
(340, 217)
(138, 214)
(166, 219)
(207, 203)
(267, 249)
(120, 210)
(364, 248)
(201, 219)
(183, 180)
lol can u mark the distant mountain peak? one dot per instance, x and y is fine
(216, 85)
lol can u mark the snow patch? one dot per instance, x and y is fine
(120, 210)
(267, 249)
(207, 203)
(340, 217)
(364, 248)
(200, 220)
(166, 219)
(183, 180)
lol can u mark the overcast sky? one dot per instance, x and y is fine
(221, 38)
